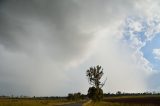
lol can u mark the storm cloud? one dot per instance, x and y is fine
(46, 45)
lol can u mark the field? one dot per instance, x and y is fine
(32, 102)
(128, 101)
(108, 101)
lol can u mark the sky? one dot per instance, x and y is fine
(46, 46)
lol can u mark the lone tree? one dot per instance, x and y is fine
(94, 75)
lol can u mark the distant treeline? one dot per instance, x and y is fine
(119, 93)
(79, 96)
(34, 97)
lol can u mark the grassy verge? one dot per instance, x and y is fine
(89, 103)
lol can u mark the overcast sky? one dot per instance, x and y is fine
(46, 46)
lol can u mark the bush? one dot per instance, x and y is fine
(96, 94)
(74, 96)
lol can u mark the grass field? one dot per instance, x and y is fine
(32, 102)
(127, 101)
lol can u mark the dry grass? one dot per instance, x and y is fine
(101, 104)
(32, 102)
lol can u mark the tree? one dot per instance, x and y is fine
(94, 75)
(74, 96)
(118, 93)
(70, 96)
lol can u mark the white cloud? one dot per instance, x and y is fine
(156, 52)
(136, 40)
(119, 66)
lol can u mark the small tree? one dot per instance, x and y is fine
(118, 93)
(94, 75)
(74, 96)
(70, 96)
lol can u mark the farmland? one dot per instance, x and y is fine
(128, 101)
(150, 100)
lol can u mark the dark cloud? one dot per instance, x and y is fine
(59, 26)
(41, 39)
(19, 29)
(33, 32)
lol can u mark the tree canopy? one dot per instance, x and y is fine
(94, 75)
